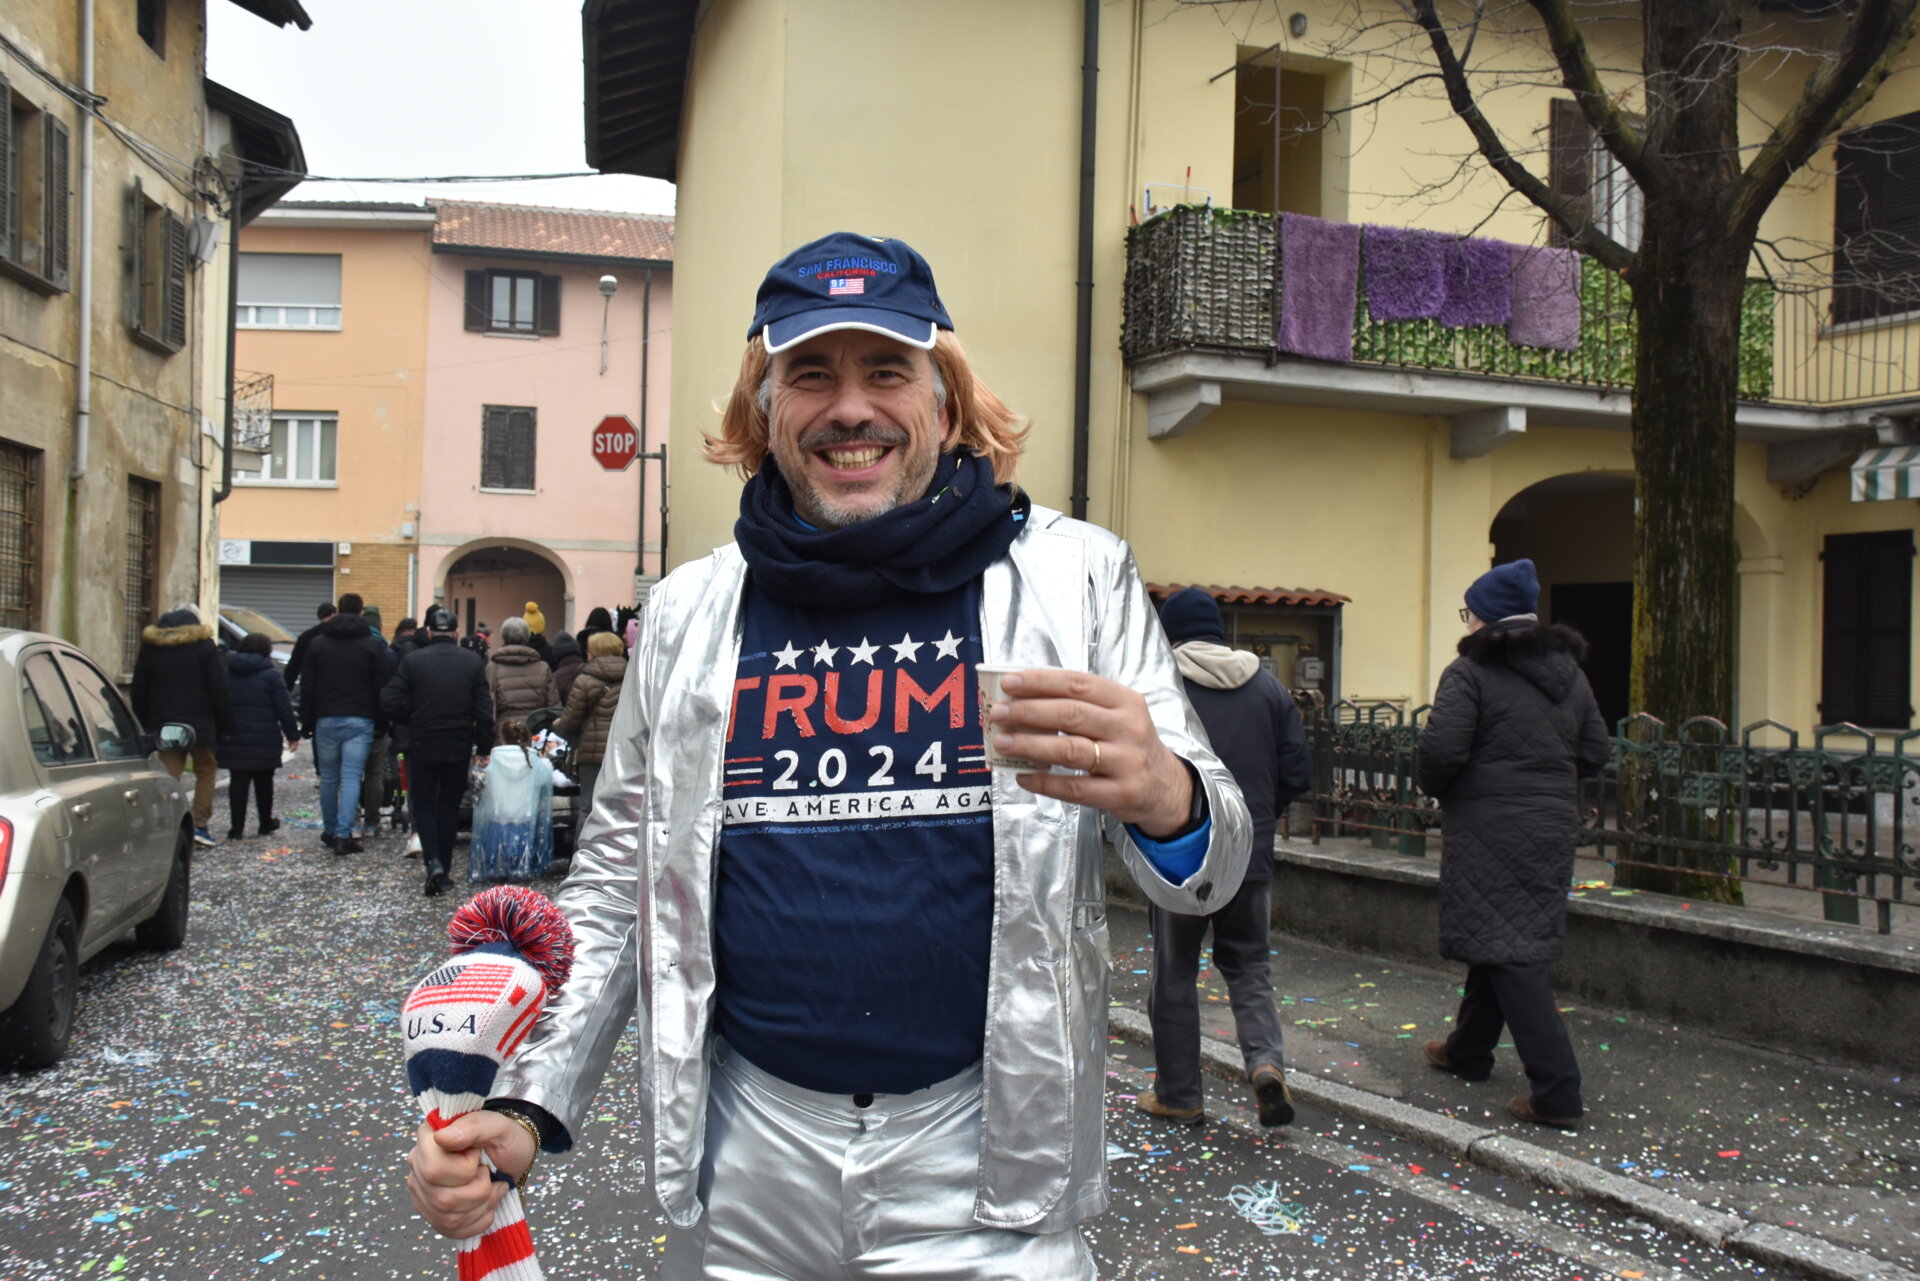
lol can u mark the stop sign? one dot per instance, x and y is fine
(615, 442)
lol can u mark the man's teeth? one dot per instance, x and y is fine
(849, 459)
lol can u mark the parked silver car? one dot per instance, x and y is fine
(96, 837)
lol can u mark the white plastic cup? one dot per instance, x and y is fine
(989, 675)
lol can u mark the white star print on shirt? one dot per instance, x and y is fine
(823, 654)
(908, 650)
(947, 646)
(861, 653)
(789, 657)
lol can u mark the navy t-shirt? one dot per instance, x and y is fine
(854, 912)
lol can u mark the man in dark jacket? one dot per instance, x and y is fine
(1256, 731)
(339, 707)
(440, 695)
(297, 660)
(263, 722)
(1514, 727)
(180, 678)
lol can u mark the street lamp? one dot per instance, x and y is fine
(608, 287)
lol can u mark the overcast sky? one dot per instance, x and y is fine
(402, 88)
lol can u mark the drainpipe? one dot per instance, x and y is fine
(83, 364)
(1083, 321)
(646, 334)
(233, 329)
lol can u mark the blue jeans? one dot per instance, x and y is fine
(340, 746)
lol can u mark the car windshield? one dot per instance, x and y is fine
(248, 620)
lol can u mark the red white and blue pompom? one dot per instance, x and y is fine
(526, 921)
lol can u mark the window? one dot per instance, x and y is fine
(35, 205)
(507, 447)
(1582, 169)
(115, 733)
(150, 20)
(19, 535)
(301, 450)
(1876, 221)
(156, 254)
(288, 291)
(1867, 629)
(513, 302)
(53, 723)
(142, 569)
(1279, 120)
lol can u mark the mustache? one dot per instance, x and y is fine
(831, 436)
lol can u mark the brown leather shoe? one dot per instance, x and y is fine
(1521, 1106)
(1436, 1052)
(1270, 1089)
(1150, 1103)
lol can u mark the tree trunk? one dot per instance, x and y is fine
(1687, 283)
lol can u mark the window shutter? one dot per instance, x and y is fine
(520, 469)
(135, 257)
(1867, 629)
(9, 195)
(1876, 224)
(493, 441)
(476, 300)
(55, 258)
(175, 320)
(1570, 163)
(547, 308)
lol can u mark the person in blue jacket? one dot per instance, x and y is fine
(262, 721)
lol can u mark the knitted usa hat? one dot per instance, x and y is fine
(512, 951)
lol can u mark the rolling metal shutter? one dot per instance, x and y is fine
(288, 596)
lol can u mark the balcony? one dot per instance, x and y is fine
(1200, 316)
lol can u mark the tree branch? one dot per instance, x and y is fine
(1581, 232)
(1583, 78)
(1875, 39)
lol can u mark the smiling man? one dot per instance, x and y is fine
(871, 968)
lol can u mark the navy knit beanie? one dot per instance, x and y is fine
(1191, 613)
(1505, 590)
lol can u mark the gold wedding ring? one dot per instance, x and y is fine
(1095, 767)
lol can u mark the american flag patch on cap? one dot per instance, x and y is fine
(846, 285)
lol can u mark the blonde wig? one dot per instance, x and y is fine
(975, 416)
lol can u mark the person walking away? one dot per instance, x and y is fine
(297, 660)
(339, 706)
(1514, 727)
(263, 723)
(1256, 731)
(407, 637)
(477, 640)
(537, 633)
(568, 658)
(440, 696)
(513, 819)
(180, 678)
(375, 780)
(598, 620)
(871, 970)
(588, 720)
(518, 678)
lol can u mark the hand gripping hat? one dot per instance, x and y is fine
(845, 281)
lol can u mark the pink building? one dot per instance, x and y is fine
(542, 323)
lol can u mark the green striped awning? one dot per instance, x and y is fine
(1893, 472)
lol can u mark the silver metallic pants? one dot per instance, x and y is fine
(812, 1187)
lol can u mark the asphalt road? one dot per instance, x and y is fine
(238, 1109)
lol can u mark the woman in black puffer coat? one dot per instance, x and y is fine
(1514, 727)
(262, 720)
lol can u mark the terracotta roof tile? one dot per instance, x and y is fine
(587, 233)
(1255, 595)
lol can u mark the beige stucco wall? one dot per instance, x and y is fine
(146, 406)
(372, 373)
(970, 151)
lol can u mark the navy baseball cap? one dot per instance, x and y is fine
(846, 281)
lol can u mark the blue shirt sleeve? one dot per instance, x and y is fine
(1178, 858)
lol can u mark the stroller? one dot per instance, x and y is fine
(561, 754)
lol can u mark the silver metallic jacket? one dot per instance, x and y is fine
(640, 894)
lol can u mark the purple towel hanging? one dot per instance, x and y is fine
(1406, 273)
(1319, 280)
(1546, 298)
(1479, 284)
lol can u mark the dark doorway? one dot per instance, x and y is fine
(1603, 613)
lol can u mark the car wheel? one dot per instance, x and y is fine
(166, 929)
(35, 1030)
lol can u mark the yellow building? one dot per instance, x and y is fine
(330, 367)
(1387, 480)
(113, 349)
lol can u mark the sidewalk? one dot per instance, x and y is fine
(1767, 1153)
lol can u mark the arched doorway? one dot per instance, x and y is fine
(1578, 531)
(494, 583)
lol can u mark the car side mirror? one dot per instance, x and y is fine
(173, 737)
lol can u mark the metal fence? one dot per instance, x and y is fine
(1839, 817)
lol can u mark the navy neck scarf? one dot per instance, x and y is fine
(934, 544)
